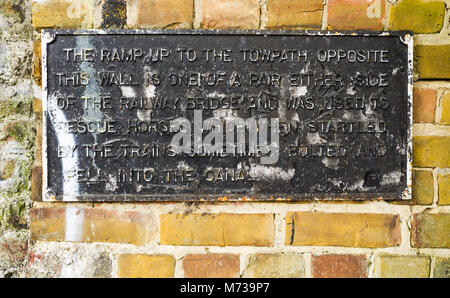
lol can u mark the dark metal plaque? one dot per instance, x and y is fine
(133, 115)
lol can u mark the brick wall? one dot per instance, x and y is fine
(224, 239)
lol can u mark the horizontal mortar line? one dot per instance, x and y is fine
(255, 208)
(436, 84)
(177, 250)
(428, 129)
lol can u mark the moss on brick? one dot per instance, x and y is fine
(8, 170)
(23, 132)
(417, 15)
(12, 107)
(442, 268)
(15, 215)
(22, 179)
(18, 16)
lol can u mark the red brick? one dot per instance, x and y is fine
(355, 14)
(424, 104)
(211, 266)
(339, 266)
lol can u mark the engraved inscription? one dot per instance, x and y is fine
(187, 115)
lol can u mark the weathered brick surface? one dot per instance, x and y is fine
(165, 14)
(51, 261)
(441, 268)
(420, 16)
(16, 20)
(62, 14)
(36, 183)
(431, 230)
(13, 250)
(431, 61)
(37, 62)
(90, 225)
(355, 14)
(444, 189)
(223, 229)
(287, 14)
(423, 187)
(211, 266)
(339, 266)
(287, 265)
(402, 266)
(424, 104)
(431, 151)
(146, 266)
(342, 229)
(230, 14)
(16, 134)
(47, 224)
(445, 113)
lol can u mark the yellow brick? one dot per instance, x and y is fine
(444, 189)
(217, 229)
(423, 187)
(445, 115)
(342, 229)
(90, 225)
(420, 16)
(146, 266)
(287, 14)
(431, 151)
(275, 266)
(402, 266)
(36, 183)
(230, 14)
(37, 69)
(47, 224)
(62, 14)
(431, 61)
(430, 230)
(111, 226)
(165, 14)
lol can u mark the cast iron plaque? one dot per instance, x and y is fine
(133, 115)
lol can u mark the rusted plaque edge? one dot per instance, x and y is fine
(406, 37)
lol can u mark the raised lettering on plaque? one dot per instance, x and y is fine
(226, 115)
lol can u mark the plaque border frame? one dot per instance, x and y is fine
(49, 35)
